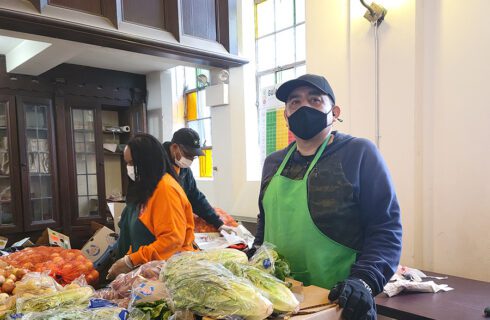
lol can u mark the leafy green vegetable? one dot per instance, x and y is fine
(267, 259)
(272, 288)
(209, 289)
(158, 310)
(71, 297)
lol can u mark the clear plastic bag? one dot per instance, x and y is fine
(105, 313)
(123, 283)
(76, 297)
(267, 259)
(36, 284)
(145, 291)
(209, 289)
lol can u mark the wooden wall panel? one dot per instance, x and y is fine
(148, 12)
(89, 6)
(199, 18)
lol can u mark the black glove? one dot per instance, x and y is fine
(355, 298)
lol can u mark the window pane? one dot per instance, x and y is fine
(206, 164)
(91, 165)
(203, 128)
(191, 105)
(92, 184)
(80, 161)
(285, 47)
(46, 209)
(46, 187)
(265, 20)
(83, 206)
(203, 111)
(82, 184)
(301, 70)
(190, 78)
(285, 75)
(266, 53)
(300, 43)
(266, 81)
(300, 11)
(284, 14)
(88, 120)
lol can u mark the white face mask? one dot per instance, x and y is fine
(183, 162)
(131, 173)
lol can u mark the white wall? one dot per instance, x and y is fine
(434, 116)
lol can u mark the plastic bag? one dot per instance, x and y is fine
(36, 284)
(200, 225)
(267, 259)
(123, 283)
(76, 297)
(209, 289)
(64, 265)
(215, 255)
(104, 313)
(145, 291)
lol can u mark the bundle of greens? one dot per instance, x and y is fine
(66, 298)
(209, 289)
(272, 288)
(157, 310)
(268, 260)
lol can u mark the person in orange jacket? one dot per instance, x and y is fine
(158, 220)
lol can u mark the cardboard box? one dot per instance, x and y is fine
(100, 246)
(3, 242)
(58, 239)
(315, 305)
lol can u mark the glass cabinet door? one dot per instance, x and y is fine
(9, 214)
(37, 161)
(85, 162)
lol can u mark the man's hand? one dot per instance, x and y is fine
(227, 229)
(123, 265)
(355, 297)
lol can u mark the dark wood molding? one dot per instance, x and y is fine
(41, 25)
(172, 21)
(111, 9)
(39, 4)
(226, 25)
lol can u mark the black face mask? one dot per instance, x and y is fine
(307, 122)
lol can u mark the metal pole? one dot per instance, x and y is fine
(376, 82)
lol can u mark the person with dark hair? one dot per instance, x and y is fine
(184, 147)
(157, 221)
(328, 203)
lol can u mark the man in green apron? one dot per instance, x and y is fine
(328, 203)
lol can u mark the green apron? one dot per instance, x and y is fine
(315, 259)
(133, 233)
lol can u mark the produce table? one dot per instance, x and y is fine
(467, 301)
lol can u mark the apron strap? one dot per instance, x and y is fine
(312, 164)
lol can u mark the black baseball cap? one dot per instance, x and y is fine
(189, 140)
(310, 80)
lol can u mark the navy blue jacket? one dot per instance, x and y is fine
(200, 204)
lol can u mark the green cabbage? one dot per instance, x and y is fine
(272, 288)
(209, 289)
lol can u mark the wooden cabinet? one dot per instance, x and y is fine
(61, 147)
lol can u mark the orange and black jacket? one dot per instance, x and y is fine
(163, 227)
